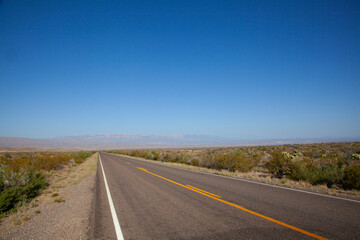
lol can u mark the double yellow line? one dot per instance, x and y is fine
(218, 198)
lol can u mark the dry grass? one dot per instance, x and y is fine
(47, 161)
(71, 175)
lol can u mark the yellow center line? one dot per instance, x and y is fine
(239, 207)
(203, 191)
(128, 163)
(143, 169)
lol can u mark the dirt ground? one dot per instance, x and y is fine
(62, 211)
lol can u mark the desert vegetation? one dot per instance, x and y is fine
(23, 176)
(331, 164)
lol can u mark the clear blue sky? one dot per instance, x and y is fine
(237, 69)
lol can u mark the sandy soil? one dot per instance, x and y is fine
(61, 212)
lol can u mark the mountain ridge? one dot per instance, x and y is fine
(128, 141)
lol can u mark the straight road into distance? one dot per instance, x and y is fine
(152, 201)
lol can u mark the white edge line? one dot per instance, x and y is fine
(119, 234)
(245, 180)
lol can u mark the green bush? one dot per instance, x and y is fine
(279, 163)
(351, 178)
(3, 176)
(153, 155)
(80, 157)
(83, 155)
(183, 162)
(173, 160)
(195, 162)
(11, 197)
(233, 162)
(329, 174)
(297, 170)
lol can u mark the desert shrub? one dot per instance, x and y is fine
(19, 178)
(80, 157)
(233, 162)
(11, 197)
(287, 155)
(185, 157)
(153, 155)
(329, 174)
(43, 161)
(149, 155)
(351, 177)
(172, 160)
(297, 154)
(182, 161)
(239, 153)
(297, 170)
(165, 157)
(59, 200)
(225, 161)
(279, 163)
(195, 162)
(83, 155)
(3, 177)
(207, 160)
(139, 153)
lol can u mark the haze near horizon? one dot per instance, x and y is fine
(233, 69)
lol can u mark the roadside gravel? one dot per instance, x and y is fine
(61, 212)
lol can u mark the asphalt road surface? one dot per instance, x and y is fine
(153, 201)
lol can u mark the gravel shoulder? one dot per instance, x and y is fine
(62, 211)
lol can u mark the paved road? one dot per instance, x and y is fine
(158, 202)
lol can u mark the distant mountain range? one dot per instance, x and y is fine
(112, 141)
(127, 141)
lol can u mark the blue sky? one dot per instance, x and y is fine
(236, 69)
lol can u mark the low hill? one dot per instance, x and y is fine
(128, 141)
